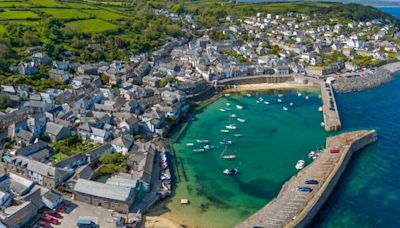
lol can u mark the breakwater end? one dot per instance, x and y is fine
(293, 208)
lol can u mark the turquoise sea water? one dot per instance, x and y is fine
(273, 141)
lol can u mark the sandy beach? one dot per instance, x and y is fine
(271, 86)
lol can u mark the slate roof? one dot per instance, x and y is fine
(118, 193)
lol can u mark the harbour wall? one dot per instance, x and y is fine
(311, 210)
(292, 208)
(329, 108)
(255, 80)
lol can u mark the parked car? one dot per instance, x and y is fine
(50, 220)
(43, 224)
(53, 214)
(311, 182)
(304, 189)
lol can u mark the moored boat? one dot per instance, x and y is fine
(239, 107)
(202, 140)
(249, 95)
(230, 171)
(233, 115)
(284, 108)
(299, 94)
(229, 156)
(307, 97)
(208, 147)
(279, 100)
(224, 131)
(225, 142)
(189, 144)
(231, 127)
(291, 103)
(311, 154)
(300, 164)
(280, 95)
(266, 102)
(241, 120)
(227, 104)
(198, 150)
(222, 110)
(320, 109)
(238, 135)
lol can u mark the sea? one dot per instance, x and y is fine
(272, 141)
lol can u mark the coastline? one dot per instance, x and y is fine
(271, 86)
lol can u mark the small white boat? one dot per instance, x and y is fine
(224, 131)
(241, 120)
(249, 95)
(284, 108)
(311, 154)
(261, 99)
(280, 95)
(258, 102)
(320, 109)
(228, 109)
(279, 100)
(291, 104)
(230, 171)
(238, 135)
(322, 124)
(189, 144)
(233, 115)
(239, 107)
(202, 140)
(266, 102)
(198, 150)
(300, 164)
(229, 156)
(227, 95)
(227, 104)
(299, 94)
(307, 97)
(225, 142)
(231, 127)
(222, 110)
(208, 147)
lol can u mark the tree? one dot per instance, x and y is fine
(5, 101)
(49, 47)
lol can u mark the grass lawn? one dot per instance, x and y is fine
(17, 14)
(104, 14)
(64, 13)
(92, 26)
(59, 157)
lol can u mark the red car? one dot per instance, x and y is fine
(43, 224)
(53, 214)
(50, 220)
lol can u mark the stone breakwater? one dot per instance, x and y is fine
(382, 75)
(293, 208)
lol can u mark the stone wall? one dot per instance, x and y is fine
(255, 80)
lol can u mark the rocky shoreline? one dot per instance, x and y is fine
(382, 75)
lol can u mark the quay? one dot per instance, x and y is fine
(292, 208)
(330, 110)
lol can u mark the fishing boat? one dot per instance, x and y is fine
(307, 97)
(231, 127)
(266, 102)
(239, 107)
(279, 100)
(320, 109)
(298, 94)
(300, 164)
(230, 171)
(291, 104)
(238, 135)
(224, 131)
(284, 108)
(198, 150)
(233, 115)
(202, 140)
(241, 120)
(222, 110)
(225, 142)
(189, 144)
(208, 147)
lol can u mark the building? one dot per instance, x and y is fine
(52, 199)
(56, 131)
(118, 198)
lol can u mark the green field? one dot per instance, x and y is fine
(78, 5)
(65, 13)
(104, 14)
(2, 30)
(91, 26)
(45, 3)
(17, 14)
(13, 4)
